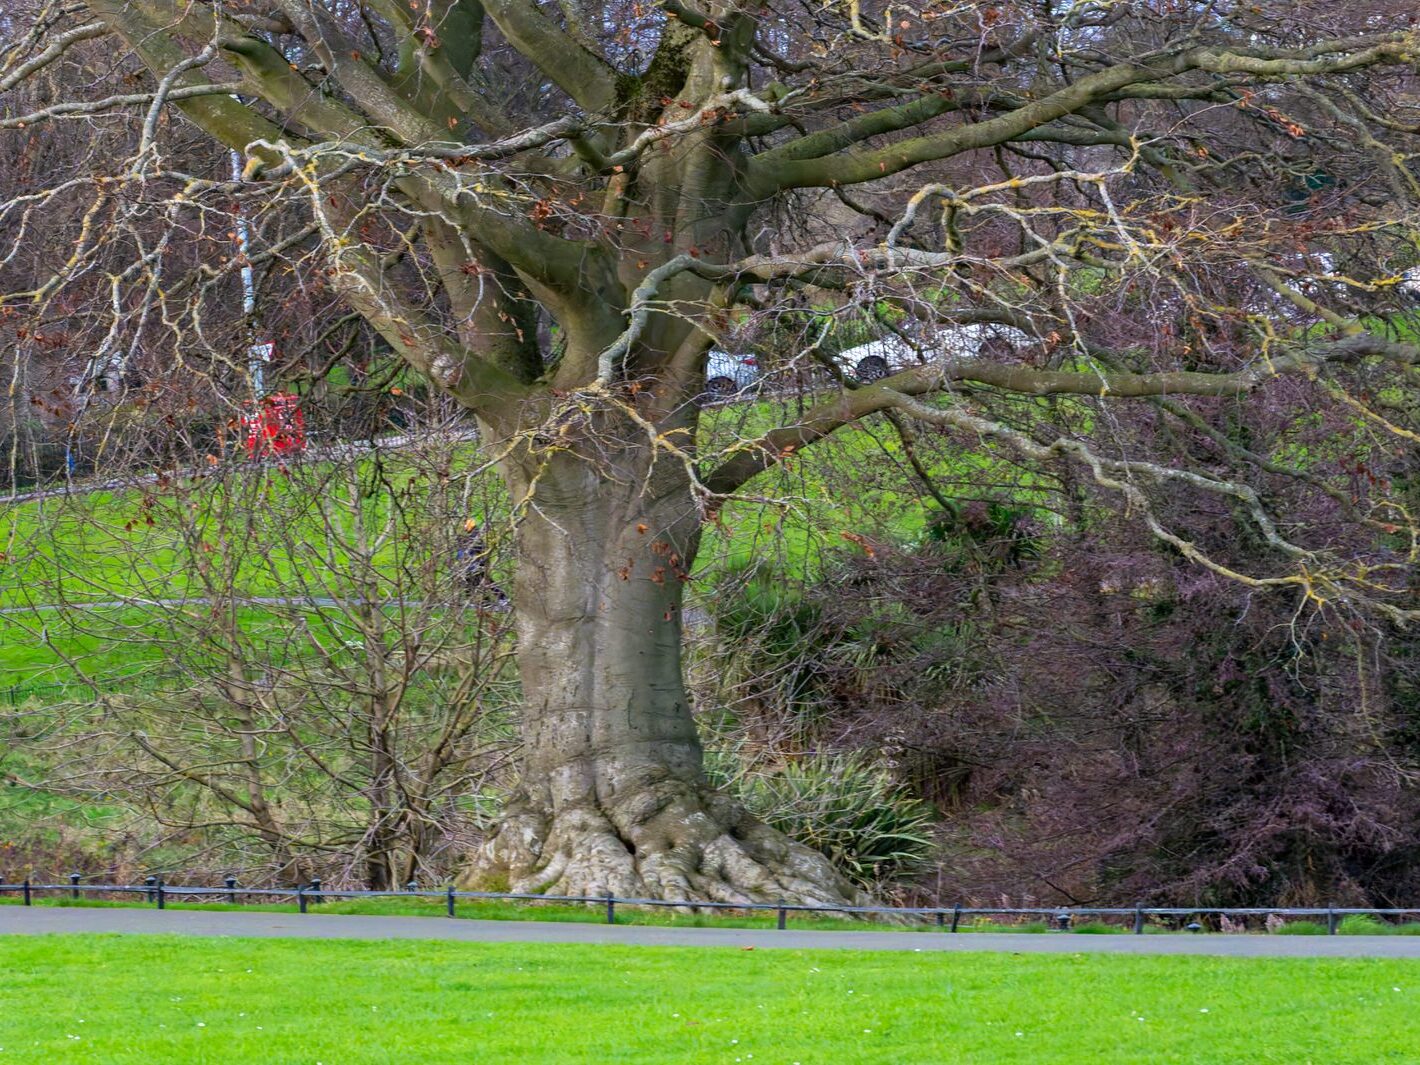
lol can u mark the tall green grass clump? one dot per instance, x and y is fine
(1301, 928)
(871, 827)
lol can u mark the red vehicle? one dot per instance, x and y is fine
(276, 428)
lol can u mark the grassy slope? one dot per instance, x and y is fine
(858, 482)
(142, 999)
(107, 545)
(100, 547)
(129, 649)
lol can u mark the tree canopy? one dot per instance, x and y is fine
(1198, 220)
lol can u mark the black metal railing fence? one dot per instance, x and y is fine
(1063, 918)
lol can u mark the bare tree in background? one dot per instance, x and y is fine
(311, 690)
(554, 212)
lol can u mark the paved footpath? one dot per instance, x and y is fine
(46, 919)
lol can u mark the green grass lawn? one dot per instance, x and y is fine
(115, 1000)
(267, 526)
(263, 529)
(134, 648)
(113, 646)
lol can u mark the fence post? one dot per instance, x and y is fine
(27, 892)
(231, 883)
(315, 889)
(451, 900)
(956, 916)
(74, 885)
(941, 918)
(300, 898)
(783, 915)
(1331, 919)
(610, 910)
(159, 888)
(150, 882)
(1138, 918)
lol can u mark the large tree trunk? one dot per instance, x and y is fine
(614, 798)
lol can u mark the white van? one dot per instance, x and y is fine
(891, 354)
(729, 375)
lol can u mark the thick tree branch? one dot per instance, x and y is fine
(57, 48)
(229, 121)
(768, 174)
(375, 97)
(754, 457)
(76, 109)
(587, 78)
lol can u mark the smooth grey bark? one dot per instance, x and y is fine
(614, 798)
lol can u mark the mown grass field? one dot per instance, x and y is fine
(119, 1000)
(285, 533)
(115, 543)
